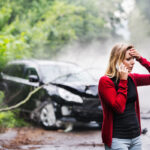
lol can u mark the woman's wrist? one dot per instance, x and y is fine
(138, 57)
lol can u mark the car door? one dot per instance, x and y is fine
(12, 76)
(29, 86)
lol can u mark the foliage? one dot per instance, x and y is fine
(105, 11)
(12, 48)
(40, 28)
(1, 97)
(144, 8)
(139, 21)
(11, 119)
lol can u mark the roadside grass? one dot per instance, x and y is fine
(10, 119)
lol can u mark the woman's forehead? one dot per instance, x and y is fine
(128, 54)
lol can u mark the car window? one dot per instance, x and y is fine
(8, 69)
(30, 71)
(16, 70)
(51, 72)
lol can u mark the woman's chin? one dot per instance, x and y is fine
(129, 71)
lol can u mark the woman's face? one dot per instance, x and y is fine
(129, 61)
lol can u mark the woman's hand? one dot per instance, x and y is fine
(123, 72)
(135, 54)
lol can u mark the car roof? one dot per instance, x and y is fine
(35, 62)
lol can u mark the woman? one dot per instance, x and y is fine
(121, 127)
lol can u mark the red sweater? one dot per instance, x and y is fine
(116, 101)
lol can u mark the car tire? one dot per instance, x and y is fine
(47, 117)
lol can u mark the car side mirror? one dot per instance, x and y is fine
(33, 78)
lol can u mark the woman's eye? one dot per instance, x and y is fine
(128, 59)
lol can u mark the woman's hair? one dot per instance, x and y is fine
(117, 56)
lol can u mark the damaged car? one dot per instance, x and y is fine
(68, 95)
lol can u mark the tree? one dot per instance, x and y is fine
(139, 21)
(43, 27)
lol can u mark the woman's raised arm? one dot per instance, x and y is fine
(144, 62)
(141, 79)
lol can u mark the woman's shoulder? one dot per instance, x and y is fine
(105, 79)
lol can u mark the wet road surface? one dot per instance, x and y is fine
(39, 139)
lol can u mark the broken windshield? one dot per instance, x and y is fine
(82, 77)
(64, 73)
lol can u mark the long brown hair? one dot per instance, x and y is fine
(116, 57)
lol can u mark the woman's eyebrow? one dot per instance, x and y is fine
(129, 57)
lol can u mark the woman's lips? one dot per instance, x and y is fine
(130, 68)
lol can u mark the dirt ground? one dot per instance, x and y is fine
(83, 138)
(30, 138)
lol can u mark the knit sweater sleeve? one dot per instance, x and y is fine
(109, 96)
(142, 79)
(144, 62)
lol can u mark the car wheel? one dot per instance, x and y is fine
(48, 117)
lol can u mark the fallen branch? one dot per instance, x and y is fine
(23, 101)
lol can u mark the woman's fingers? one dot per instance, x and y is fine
(134, 53)
(123, 72)
(123, 67)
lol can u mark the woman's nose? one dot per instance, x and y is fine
(133, 61)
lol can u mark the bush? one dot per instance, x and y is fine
(11, 119)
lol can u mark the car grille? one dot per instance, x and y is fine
(91, 103)
(89, 110)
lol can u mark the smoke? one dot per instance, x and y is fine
(94, 57)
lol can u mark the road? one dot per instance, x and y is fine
(36, 138)
(83, 138)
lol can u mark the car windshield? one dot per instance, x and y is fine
(82, 77)
(64, 73)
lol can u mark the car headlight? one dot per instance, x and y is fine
(68, 96)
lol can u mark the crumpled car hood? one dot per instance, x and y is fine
(91, 90)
